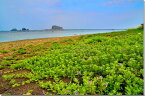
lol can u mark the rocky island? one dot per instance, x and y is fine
(54, 27)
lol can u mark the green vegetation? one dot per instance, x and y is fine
(141, 26)
(5, 62)
(81, 37)
(30, 46)
(7, 94)
(96, 64)
(30, 91)
(21, 51)
(3, 51)
(47, 42)
(66, 40)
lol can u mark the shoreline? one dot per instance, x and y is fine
(37, 41)
(22, 43)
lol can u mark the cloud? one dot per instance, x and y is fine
(112, 2)
(118, 3)
(48, 3)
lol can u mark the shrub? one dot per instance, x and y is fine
(66, 40)
(54, 42)
(5, 62)
(9, 58)
(22, 51)
(141, 26)
(47, 42)
(3, 51)
(30, 46)
(81, 37)
(13, 49)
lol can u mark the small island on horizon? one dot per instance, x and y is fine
(54, 27)
(57, 28)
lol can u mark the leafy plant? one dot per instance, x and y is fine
(3, 51)
(96, 64)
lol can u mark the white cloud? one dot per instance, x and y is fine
(122, 3)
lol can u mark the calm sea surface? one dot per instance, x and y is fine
(14, 36)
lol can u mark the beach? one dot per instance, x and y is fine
(23, 43)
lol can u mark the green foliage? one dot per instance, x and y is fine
(16, 84)
(11, 58)
(91, 35)
(12, 81)
(7, 94)
(54, 42)
(95, 65)
(141, 26)
(47, 42)
(3, 51)
(8, 77)
(17, 66)
(88, 87)
(14, 54)
(22, 75)
(66, 40)
(2, 67)
(30, 91)
(21, 51)
(5, 62)
(81, 37)
(30, 45)
(29, 55)
(39, 47)
(13, 49)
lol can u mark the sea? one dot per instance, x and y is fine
(6, 36)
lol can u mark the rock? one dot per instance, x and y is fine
(14, 29)
(54, 27)
(24, 29)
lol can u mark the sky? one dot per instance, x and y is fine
(70, 14)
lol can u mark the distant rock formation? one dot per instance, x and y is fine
(14, 29)
(24, 29)
(54, 27)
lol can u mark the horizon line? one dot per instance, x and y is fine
(67, 29)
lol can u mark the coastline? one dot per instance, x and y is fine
(37, 41)
(22, 43)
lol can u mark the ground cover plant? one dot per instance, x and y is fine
(96, 64)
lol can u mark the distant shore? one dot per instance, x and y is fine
(57, 30)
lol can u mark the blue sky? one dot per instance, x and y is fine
(71, 14)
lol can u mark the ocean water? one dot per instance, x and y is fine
(14, 36)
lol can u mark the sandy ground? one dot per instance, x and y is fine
(22, 43)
